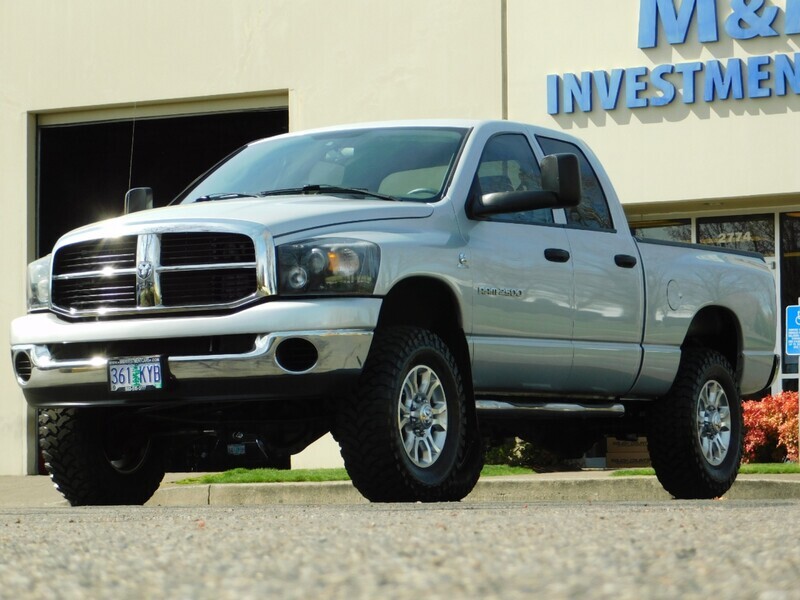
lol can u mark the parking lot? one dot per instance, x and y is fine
(661, 549)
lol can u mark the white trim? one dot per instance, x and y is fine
(167, 108)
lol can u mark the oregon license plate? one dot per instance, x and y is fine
(135, 373)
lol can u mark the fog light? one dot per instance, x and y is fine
(23, 366)
(296, 355)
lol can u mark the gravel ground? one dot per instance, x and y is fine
(722, 549)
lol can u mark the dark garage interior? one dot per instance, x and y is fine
(85, 169)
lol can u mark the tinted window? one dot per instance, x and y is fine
(508, 165)
(592, 212)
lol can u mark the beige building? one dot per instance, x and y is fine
(692, 105)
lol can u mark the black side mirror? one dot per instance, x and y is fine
(137, 199)
(561, 175)
(561, 188)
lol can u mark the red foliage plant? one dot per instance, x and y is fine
(770, 428)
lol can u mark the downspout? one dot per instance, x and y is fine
(504, 58)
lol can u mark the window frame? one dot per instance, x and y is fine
(475, 187)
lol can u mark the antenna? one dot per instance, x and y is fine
(133, 137)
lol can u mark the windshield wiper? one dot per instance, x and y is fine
(322, 188)
(223, 196)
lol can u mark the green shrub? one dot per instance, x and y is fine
(519, 453)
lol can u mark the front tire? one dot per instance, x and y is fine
(404, 434)
(94, 460)
(696, 431)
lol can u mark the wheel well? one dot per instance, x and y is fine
(430, 304)
(717, 328)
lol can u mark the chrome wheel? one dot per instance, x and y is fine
(713, 422)
(422, 416)
(406, 433)
(695, 432)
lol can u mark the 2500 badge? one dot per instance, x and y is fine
(485, 290)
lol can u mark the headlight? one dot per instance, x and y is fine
(39, 284)
(328, 266)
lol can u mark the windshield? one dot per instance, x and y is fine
(403, 163)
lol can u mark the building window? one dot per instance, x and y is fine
(667, 230)
(753, 233)
(790, 276)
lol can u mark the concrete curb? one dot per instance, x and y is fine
(497, 489)
(592, 486)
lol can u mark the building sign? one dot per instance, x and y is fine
(792, 328)
(710, 81)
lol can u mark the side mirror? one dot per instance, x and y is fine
(561, 188)
(561, 175)
(138, 199)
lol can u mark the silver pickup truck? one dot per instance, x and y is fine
(410, 287)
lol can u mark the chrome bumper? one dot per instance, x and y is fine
(339, 329)
(340, 350)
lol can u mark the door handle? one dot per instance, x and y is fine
(626, 261)
(556, 255)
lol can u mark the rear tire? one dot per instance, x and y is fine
(695, 433)
(93, 463)
(404, 434)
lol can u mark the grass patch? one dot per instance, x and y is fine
(746, 469)
(770, 468)
(298, 475)
(270, 476)
(503, 470)
(633, 472)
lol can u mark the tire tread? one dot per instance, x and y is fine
(364, 426)
(672, 441)
(69, 440)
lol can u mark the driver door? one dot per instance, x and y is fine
(523, 282)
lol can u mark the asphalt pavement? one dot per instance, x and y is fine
(586, 485)
(687, 550)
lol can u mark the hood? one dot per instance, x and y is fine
(280, 215)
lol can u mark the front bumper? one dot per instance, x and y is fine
(336, 336)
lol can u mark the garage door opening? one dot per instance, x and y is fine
(85, 169)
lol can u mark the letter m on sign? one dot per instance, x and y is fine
(676, 20)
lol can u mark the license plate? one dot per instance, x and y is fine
(135, 373)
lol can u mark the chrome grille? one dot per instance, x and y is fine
(151, 272)
(206, 248)
(183, 288)
(95, 293)
(96, 255)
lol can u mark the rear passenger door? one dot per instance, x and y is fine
(522, 294)
(609, 288)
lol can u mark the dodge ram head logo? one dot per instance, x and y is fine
(144, 270)
(145, 284)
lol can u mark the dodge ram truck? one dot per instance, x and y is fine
(411, 287)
